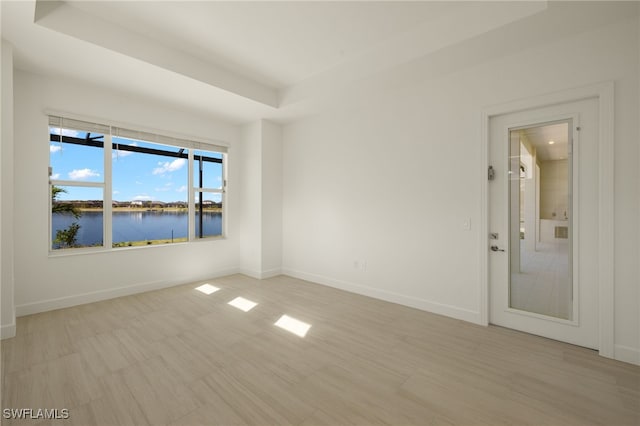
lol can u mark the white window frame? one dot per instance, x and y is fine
(106, 184)
(194, 190)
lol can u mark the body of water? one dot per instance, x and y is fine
(136, 226)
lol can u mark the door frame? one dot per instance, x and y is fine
(604, 93)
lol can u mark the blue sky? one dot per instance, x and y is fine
(136, 176)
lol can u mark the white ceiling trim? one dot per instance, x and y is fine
(460, 22)
(64, 18)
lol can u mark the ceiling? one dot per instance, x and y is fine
(241, 61)
(540, 137)
(274, 43)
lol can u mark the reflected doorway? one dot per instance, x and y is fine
(540, 222)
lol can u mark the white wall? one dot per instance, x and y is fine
(7, 307)
(261, 199)
(387, 181)
(627, 212)
(638, 191)
(250, 211)
(554, 189)
(271, 198)
(43, 282)
(531, 195)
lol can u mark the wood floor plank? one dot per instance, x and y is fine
(60, 383)
(249, 406)
(211, 414)
(178, 356)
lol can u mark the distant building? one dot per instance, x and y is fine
(177, 204)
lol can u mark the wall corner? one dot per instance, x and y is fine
(7, 299)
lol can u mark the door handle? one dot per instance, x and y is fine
(496, 248)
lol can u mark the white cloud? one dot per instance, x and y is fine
(55, 176)
(183, 188)
(115, 192)
(67, 132)
(83, 174)
(142, 198)
(168, 167)
(54, 148)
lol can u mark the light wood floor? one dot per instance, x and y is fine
(543, 284)
(181, 357)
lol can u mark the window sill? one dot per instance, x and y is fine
(102, 250)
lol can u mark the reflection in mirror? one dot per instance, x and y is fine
(540, 169)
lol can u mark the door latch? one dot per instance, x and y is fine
(491, 173)
(496, 248)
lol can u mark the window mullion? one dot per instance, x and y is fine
(191, 200)
(50, 197)
(223, 197)
(58, 182)
(107, 195)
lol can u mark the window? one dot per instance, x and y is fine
(77, 185)
(208, 185)
(115, 187)
(150, 197)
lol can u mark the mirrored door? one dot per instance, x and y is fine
(543, 221)
(540, 220)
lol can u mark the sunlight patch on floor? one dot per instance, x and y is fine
(293, 325)
(207, 289)
(243, 304)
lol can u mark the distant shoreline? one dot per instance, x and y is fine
(142, 243)
(149, 209)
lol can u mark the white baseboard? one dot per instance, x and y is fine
(627, 354)
(8, 331)
(96, 296)
(250, 273)
(413, 302)
(261, 275)
(271, 273)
